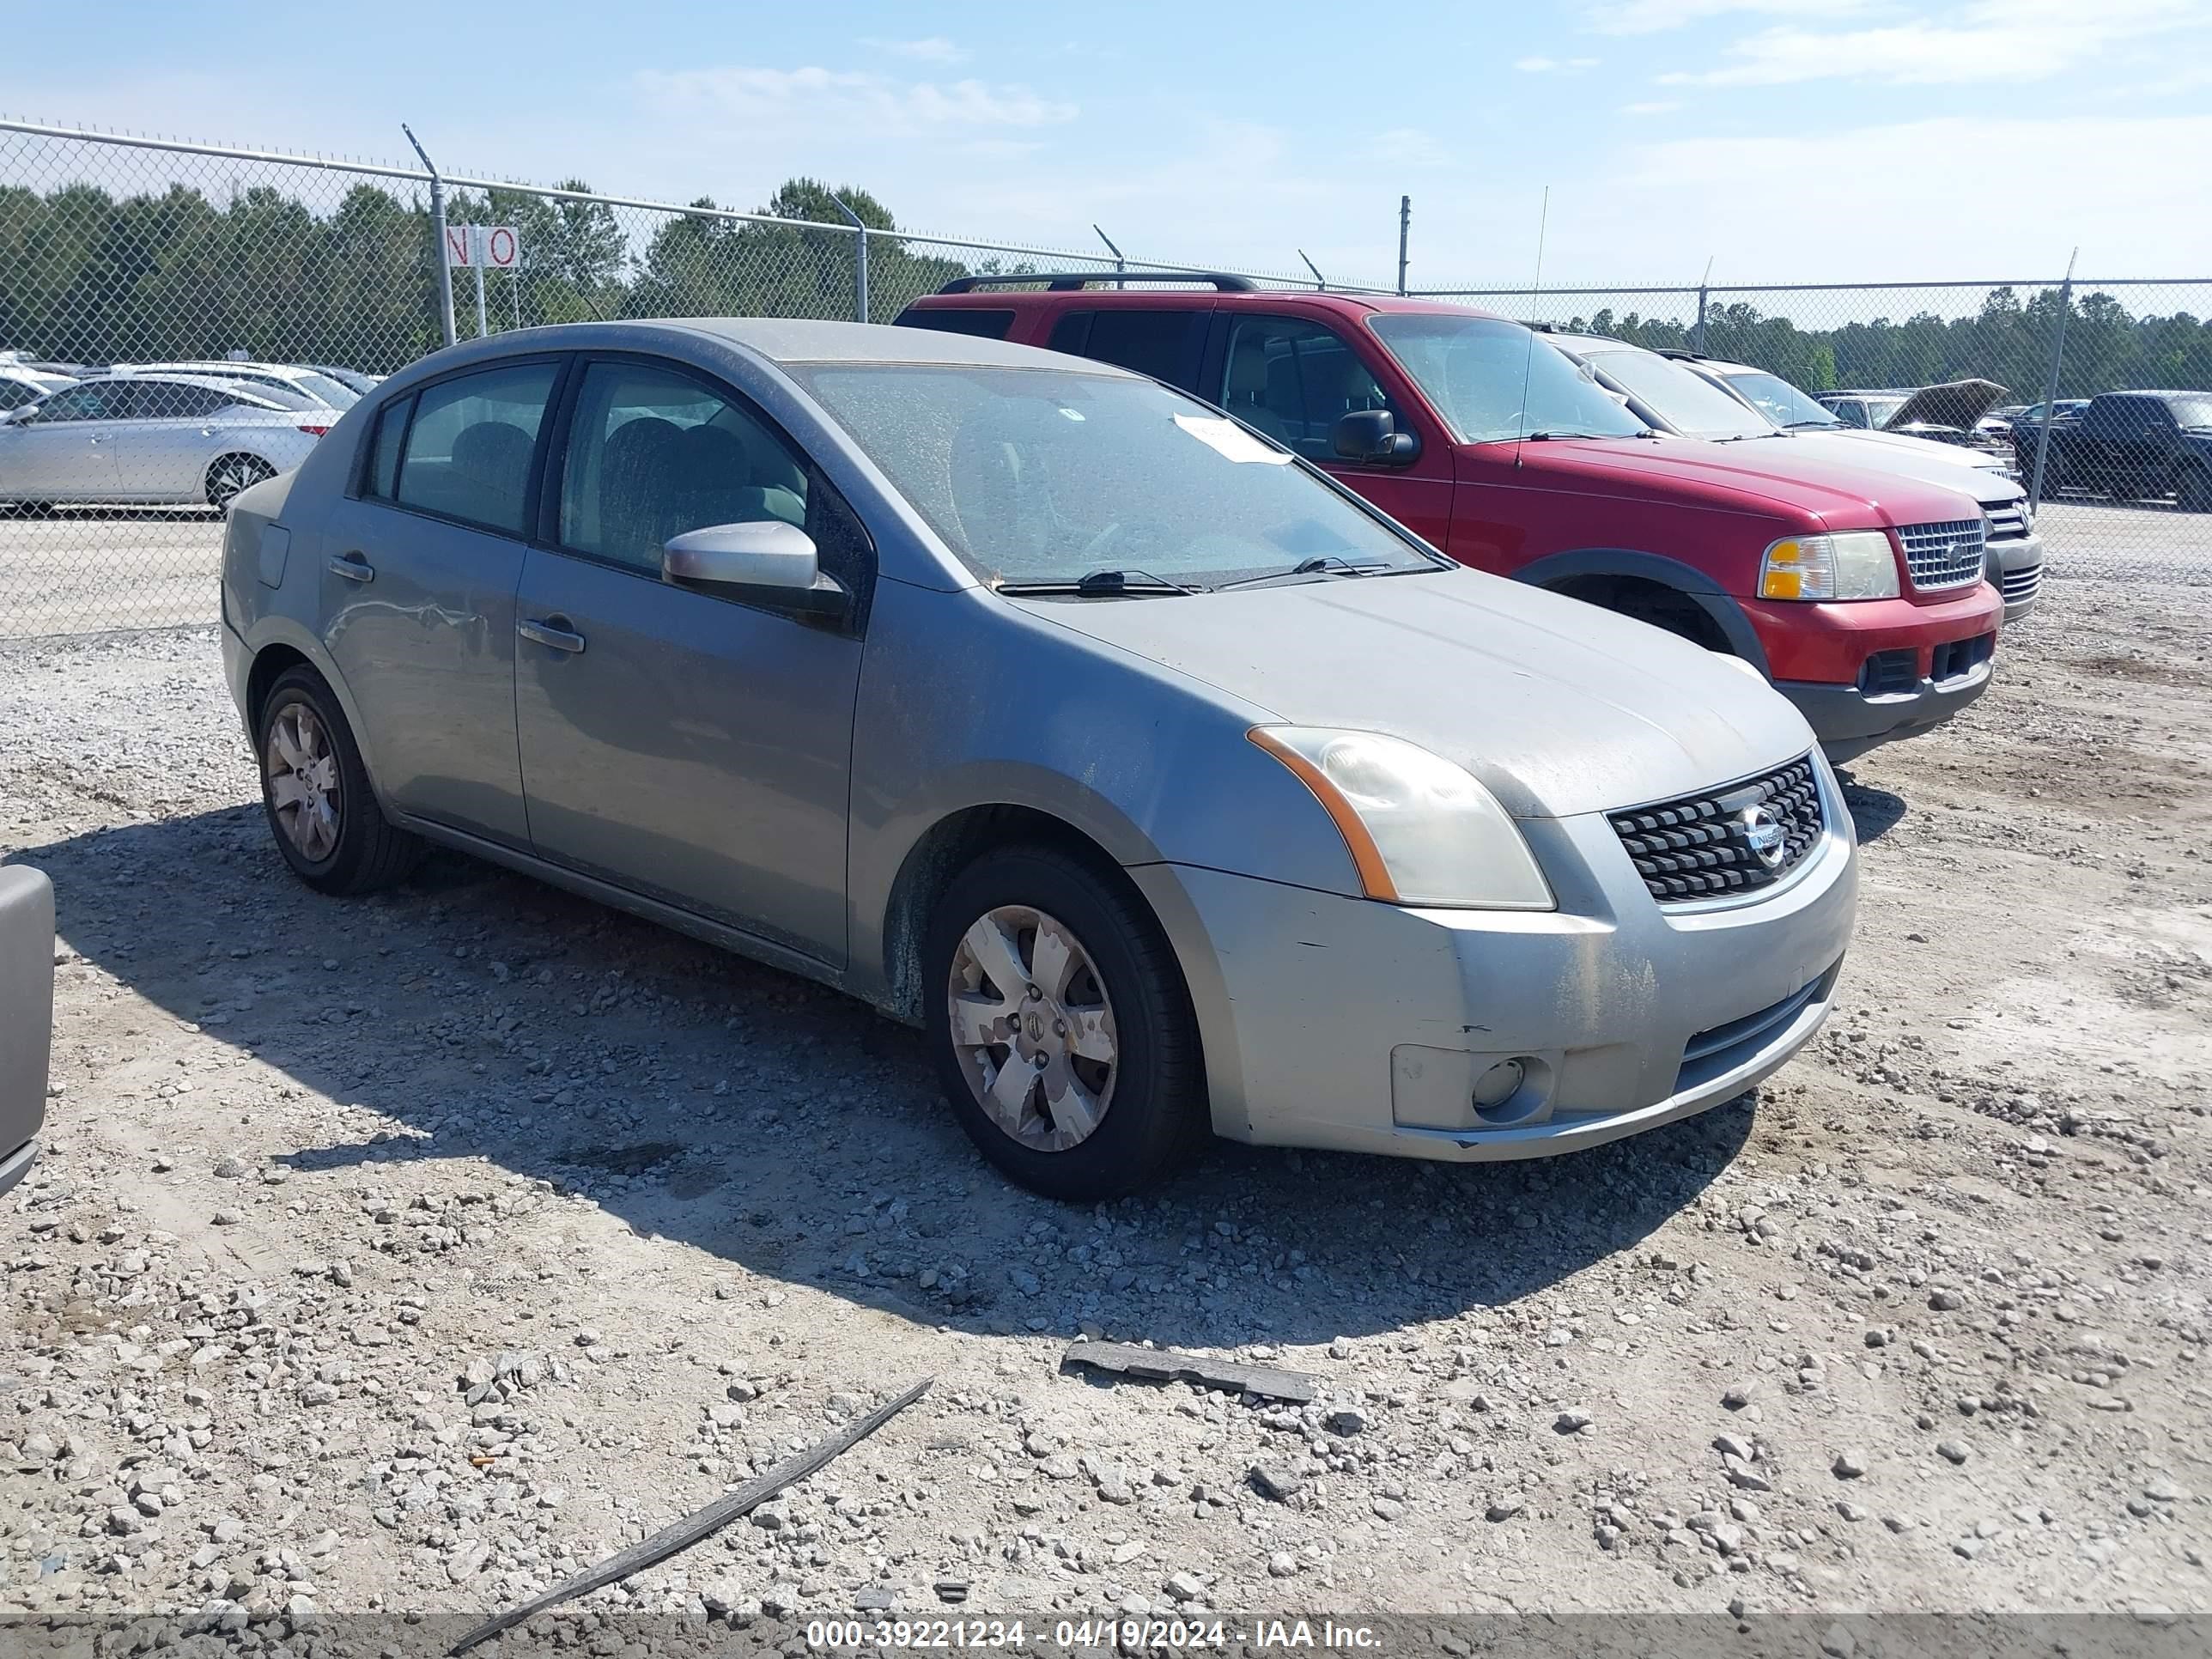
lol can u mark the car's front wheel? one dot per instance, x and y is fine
(1061, 1027)
(328, 824)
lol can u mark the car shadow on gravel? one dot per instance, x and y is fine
(781, 1126)
(1875, 812)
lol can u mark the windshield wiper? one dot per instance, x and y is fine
(1330, 563)
(1100, 584)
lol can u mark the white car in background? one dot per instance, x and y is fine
(146, 438)
(19, 386)
(310, 384)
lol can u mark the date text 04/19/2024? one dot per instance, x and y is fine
(1127, 1634)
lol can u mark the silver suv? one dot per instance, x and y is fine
(1166, 784)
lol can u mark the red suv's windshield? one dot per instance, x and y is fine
(1492, 380)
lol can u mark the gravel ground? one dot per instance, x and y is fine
(403, 1256)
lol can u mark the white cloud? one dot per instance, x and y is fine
(849, 100)
(934, 49)
(1656, 107)
(1658, 17)
(2003, 40)
(1547, 65)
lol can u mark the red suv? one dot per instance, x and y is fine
(1860, 595)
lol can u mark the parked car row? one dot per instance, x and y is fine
(178, 432)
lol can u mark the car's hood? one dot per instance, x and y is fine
(1956, 403)
(1841, 488)
(1559, 708)
(1953, 465)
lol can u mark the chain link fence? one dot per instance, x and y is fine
(125, 251)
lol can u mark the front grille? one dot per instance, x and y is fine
(1700, 846)
(1941, 555)
(2019, 585)
(2008, 521)
(1955, 658)
(1888, 674)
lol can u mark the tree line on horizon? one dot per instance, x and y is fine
(91, 277)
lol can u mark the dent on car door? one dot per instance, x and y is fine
(416, 601)
(676, 742)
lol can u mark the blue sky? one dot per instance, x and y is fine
(1784, 139)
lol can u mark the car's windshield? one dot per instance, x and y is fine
(2191, 412)
(1682, 398)
(1492, 380)
(1781, 402)
(1882, 410)
(1051, 475)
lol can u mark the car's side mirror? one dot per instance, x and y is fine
(1372, 435)
(766, 562)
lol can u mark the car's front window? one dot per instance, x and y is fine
(1781, 402)
(1681, 397)
(1493, 380)
(1045, 476)
(2193, 413)
(1881, 412)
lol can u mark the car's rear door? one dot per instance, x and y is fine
(161, 454)
(421, 562)
(687, 746)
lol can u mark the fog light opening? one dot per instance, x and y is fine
(1510, 1091)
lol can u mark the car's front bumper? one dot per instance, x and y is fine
(2016, 570)
(1344, 1023)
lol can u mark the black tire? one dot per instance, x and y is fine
(1155, 1117)
(366, 853)
(228, 476)
(2194, 494)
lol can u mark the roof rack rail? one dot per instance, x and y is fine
(1681, 352)
(1069, 281)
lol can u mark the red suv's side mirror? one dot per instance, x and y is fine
(1372, 435)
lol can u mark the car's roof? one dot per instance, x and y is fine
(171, 377)
(1157, 299)
(799, 340)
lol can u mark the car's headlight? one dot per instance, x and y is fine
(1420, 829)
(1852, 564)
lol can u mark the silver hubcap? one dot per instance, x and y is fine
(302, 775)
(1034, 1027)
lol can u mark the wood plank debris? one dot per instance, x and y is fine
(1165, 1365)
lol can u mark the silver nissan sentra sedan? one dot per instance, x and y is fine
(1165, 784)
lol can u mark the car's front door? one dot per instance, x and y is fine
(1293, 378)
(419, 564)
(65, 451)
(684, 745)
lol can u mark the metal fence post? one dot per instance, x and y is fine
(1320, 283)
(1120, 263)
(1697, 341)
(860, 260)
(437, 236)
(2050, 386)
(1405, 223)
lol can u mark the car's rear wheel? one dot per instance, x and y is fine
(1062, 1028)
(231, 474)
(327, 822)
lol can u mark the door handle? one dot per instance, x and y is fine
(353, 568)
(551, 632)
